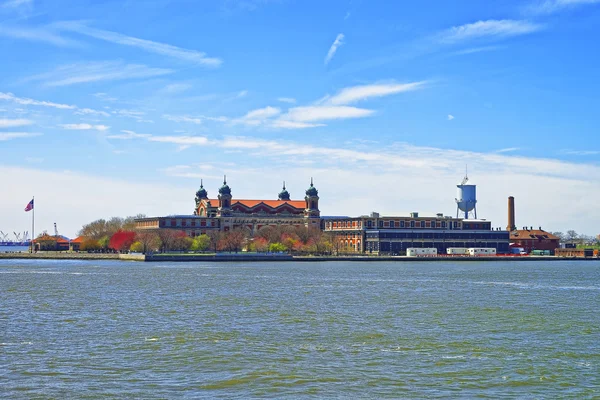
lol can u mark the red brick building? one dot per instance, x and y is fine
(534, 239)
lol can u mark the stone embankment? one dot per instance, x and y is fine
(59, 255)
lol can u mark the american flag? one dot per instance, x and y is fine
(29, 206)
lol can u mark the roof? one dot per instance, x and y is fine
(58, 239)
(300, 204)
(78, 239)
(532, 234)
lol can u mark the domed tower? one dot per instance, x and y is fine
(201, 194)
(284, 194)
(224, 199)
(312, 201)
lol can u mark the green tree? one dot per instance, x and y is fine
(137, 247)
(89, 244)
(201, 243)
(104, 242)
(277, 248)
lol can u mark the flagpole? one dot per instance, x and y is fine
(33, 226)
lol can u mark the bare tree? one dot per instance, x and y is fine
(150, 240)
(168, 238)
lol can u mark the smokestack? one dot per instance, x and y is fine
(511, 215)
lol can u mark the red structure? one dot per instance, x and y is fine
(534, 239)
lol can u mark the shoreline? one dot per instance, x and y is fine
(268, 258)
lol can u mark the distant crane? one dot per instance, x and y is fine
(3, 237)
(55, 230)
(17, 236)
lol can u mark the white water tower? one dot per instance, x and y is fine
(466, 198)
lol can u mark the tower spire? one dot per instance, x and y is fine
(311, 181)
(224, 179)
(201, 183)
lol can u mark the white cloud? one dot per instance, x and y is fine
(293, 124)
(450, 117)
(262, 113)
(128, 135)
(582, 152)
(198, 120)
(4, 136)
(89, 111)
(36, 35)
(85, 127)
(289, 100)
(552, 6)
(507, 150)
(181, 140)
(96, 72)
(339, 40)
(242, 93)
(168, 50)
(358, 93)
(325, 113)
(27, 102)
(12, 123)
(489, 28)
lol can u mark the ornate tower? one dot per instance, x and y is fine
(201, 194)
(224, 199)
(312, 202)
(284, 194)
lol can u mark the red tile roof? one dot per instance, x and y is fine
(300, 204)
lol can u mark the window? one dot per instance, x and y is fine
(443, 224)
(369, 223)
(412, 224)
(401, 224)
(381, 224)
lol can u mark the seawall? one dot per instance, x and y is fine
(266, 258)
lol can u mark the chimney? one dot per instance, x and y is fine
(511, 215)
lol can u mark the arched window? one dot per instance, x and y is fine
(313, 205)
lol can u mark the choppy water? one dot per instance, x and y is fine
(73, 329)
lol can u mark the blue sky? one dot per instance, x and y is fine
(119, 107)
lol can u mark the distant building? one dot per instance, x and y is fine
(534, 239)
(394, 234)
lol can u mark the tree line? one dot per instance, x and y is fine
(119, 234)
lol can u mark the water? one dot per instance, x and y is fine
(74, 329)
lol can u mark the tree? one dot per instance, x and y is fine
(276, 248)
(201, 243)
(572, 235)
(559, 235)
(101, 227)
(215, 239)
(259, 244)
(233, 240)
(89, 244)
(149, 240)
(183, 243)
(122, 240)
(137, 247)
(104, 242)
(168, 238)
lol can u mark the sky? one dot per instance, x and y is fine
(115, 108)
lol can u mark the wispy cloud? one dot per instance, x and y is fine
(4, 136)
(84, 127)
(96, 71)
(508, 150)
(450, 117)
(552, 6)
(180, 140)
(582, 152)
(325, 113)
(289, 100)
(89, 111)
(168, 50)
(490, 28)
(12, 123)
(175, 88)
(34, 160)
(128, 135)
(105, 97)
(36, 34)
(31, 102)
(364, 92)
(474, 50)
(339, 40)
(17, 3)
(198, 120)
